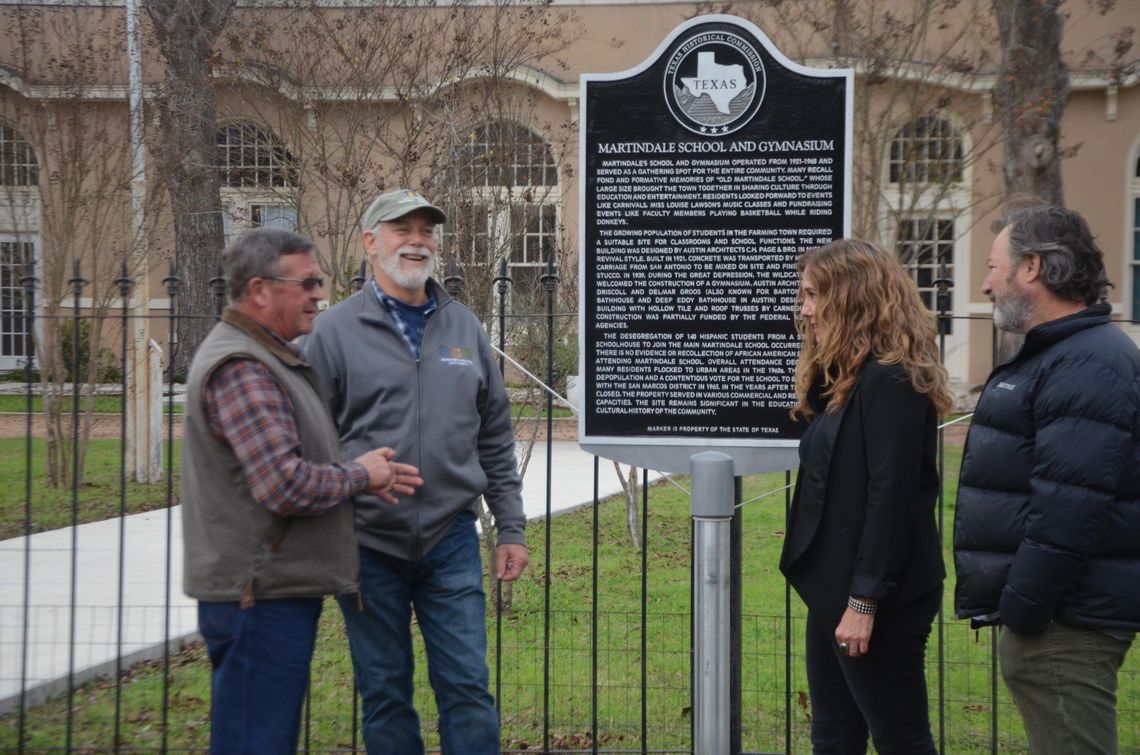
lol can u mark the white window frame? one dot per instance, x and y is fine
(20, 219)
(9, 361)
(950, 203)
(1132, 241)
(240, 208)
(500, 202)
(914, 266)
(242, 203)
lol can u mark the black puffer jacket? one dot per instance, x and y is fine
(1048, 515)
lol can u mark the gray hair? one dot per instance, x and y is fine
(1072, 265)
(255, 253)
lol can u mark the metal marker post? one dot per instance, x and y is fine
(713, 495)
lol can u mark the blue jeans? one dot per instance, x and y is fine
(882, 693)
(1064, 683)
(446, 589)
(260, 658)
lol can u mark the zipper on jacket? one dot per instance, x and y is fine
(418, 530)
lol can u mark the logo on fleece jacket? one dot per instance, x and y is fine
(455, 356)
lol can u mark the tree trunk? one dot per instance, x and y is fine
(1031, 94)
(187, 157)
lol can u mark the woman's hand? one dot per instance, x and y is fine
(854, 631)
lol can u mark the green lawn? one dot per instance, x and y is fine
(966, 682)
(103, 404)
(96, 498)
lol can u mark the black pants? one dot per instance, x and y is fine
(882, 692)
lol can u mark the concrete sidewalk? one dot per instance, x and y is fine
(86, 641)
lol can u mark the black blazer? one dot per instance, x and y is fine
(862, 519)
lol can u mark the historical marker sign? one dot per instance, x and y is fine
(705, 172)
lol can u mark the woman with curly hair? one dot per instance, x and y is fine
(862, 546)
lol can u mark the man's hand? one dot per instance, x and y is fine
(388, 479)
(510, 560)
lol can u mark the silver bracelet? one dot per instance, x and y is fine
(862, 606)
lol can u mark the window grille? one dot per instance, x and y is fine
(926, 151)
(251, 157)
(18, 166)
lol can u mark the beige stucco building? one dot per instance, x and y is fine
(321, 106)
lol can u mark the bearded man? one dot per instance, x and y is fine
(1047, 525)
(402, 361)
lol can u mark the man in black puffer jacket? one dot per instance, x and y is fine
(1047, 529)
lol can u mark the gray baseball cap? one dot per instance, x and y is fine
(397, 204)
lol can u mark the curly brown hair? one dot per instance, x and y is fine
(867, 307)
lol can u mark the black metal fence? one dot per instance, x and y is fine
(591, 652)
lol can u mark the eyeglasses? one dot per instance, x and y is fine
(306, 283)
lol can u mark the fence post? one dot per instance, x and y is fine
(173, 284)
(28, 281)
(77, 283)
(126, 286)
(502, 283)
(713, 496)
(943, 283)
(549, 284)
(736, 619)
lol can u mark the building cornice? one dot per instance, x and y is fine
(548, 84)
(977, 83)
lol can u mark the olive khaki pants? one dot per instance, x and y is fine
(1064, 684)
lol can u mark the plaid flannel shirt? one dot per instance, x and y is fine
(247, 407)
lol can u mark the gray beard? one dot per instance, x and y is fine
(1012, 312)
(410, 281)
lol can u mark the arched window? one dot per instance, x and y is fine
(258, 176)
(19, 236)
(505, 154)
(928, 150)
(503, 203)
(250, 156)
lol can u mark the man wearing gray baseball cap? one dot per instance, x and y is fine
(396, 204)
(400, 361)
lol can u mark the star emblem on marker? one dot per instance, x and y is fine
(704, 130)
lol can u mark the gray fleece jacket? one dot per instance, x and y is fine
(447, 413)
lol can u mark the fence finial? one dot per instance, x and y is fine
(503, 280)
(943, 283)
(453, 283)
(550, 277)
(361, 277)
(172, 281)
(29, 280)
(125, 283)
(218, 290)
(77, 281)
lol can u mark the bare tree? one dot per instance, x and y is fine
(83, 184)
(186, 33)
(376, 108)
(429, 99)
